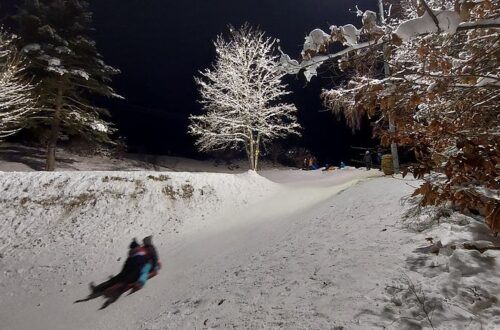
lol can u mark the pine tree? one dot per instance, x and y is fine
(65, 63)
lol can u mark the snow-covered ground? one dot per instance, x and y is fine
(21, 158)
(285, 249)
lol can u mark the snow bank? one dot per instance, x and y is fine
(318, 178)
(66, 219)
(311, 251)
(452, 279)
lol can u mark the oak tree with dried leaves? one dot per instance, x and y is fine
(442, 90)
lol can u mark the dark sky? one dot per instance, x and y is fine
(160, 44)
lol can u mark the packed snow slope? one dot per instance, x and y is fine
(289, 249)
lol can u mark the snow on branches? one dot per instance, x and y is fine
(432, 68)
(446, 21)
(242, 96)
(16, 94)
(56, 37)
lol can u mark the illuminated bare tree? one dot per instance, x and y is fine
(242, 96)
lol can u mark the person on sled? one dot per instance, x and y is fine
(152, 265)
(129, 274)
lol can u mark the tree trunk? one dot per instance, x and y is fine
(251, 151)
(257, 153)
(50, 164)
(251, 158)
(249, 155)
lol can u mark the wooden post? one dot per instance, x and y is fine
(387, 72)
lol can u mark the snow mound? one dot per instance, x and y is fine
(67, 218)
(453, 279)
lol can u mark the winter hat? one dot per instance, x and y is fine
(134, 244)
(148, 240)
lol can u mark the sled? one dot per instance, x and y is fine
(119, 287)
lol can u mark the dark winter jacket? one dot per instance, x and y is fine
(151, 255)
(132, 268)
(367, 159)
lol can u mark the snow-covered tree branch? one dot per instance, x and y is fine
(16, 93)
(394, 31)
(242, 96)
(440, 86)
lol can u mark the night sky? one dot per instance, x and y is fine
(161, 44)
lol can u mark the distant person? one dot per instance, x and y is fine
(342, 165)
(315, 164)
(380, 153)
(130, 272)
(367, 159)
(310, 162)
(305, 163)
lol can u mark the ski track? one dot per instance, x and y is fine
(310, 274)
(303, 277)
(305, 258)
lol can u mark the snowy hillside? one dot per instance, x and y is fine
(20, 158)
(51, 217)
(291, 250)
(86, 216)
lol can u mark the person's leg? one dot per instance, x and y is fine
(109, 283)
(113, 293)
(144, 274)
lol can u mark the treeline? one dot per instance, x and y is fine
(50, 72)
